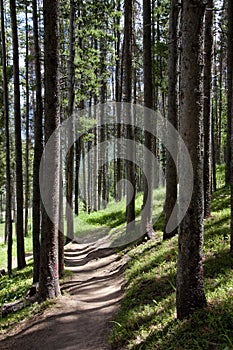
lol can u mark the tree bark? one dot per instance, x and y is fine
(38, 149)
(103, 129)
(208, 108)
(70, 154)
(229, 87)
(190, 281)
(77, 170)
(118, 99)
(49, 264)
(171, 172)
(18, 141)
(146, 220)
(27, 181)
(130, 166)
(61, 238)
(230, 102)
(220, 107)
(8, 222)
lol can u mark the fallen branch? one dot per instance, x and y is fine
(30, 298)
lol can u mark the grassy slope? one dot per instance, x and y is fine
(147, 319)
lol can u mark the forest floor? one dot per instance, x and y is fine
(82, 318)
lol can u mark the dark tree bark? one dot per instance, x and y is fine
(117, 49)
(70, 154)
(146, 220)
(171, 172)
(61, 238)
(229, 86)
(49, 265)
(208, 108)
(103, 129)
(214, 118)
(89, 177)
(230, 102)
(130, 166)
(18, 142)
(8, 222)
(85, 195)
(96, 162)
(78, 142)
(118, 168)
(27, 182)
(77, 168)
(190, 280)
(38, 149)
(220, 106)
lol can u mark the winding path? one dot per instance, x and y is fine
(81, 319)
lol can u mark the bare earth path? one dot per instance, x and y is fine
(81, 319)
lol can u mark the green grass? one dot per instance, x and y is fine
(147, 319)
(15, 288)
(3, 247)
(110, 222)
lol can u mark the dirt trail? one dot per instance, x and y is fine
(81, 319)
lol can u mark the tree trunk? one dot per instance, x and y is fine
(171, 172)
(49, 266)
(130, 166)
(85, 195)
(38, 149)
(208, 108)
(8, 222)
(103, 130)
(230, 99)
(70, 154)
(18, 142)
(146, 220)
(118, 99)
(77, 169)
(27, 189)
(214, 118)
(220, 110)
(190, 280)
(229, 87)
(61, 239)
(96, 161)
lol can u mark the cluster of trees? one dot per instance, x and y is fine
(58, 57)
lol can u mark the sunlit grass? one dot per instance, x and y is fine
(3, 247)
(111, 222)
(147, 319)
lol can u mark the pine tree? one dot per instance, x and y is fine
(130, 166)
(190, 280)
(38, 148)
(171, 172)
(8, 225)
(49, 263)
(18, 141)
